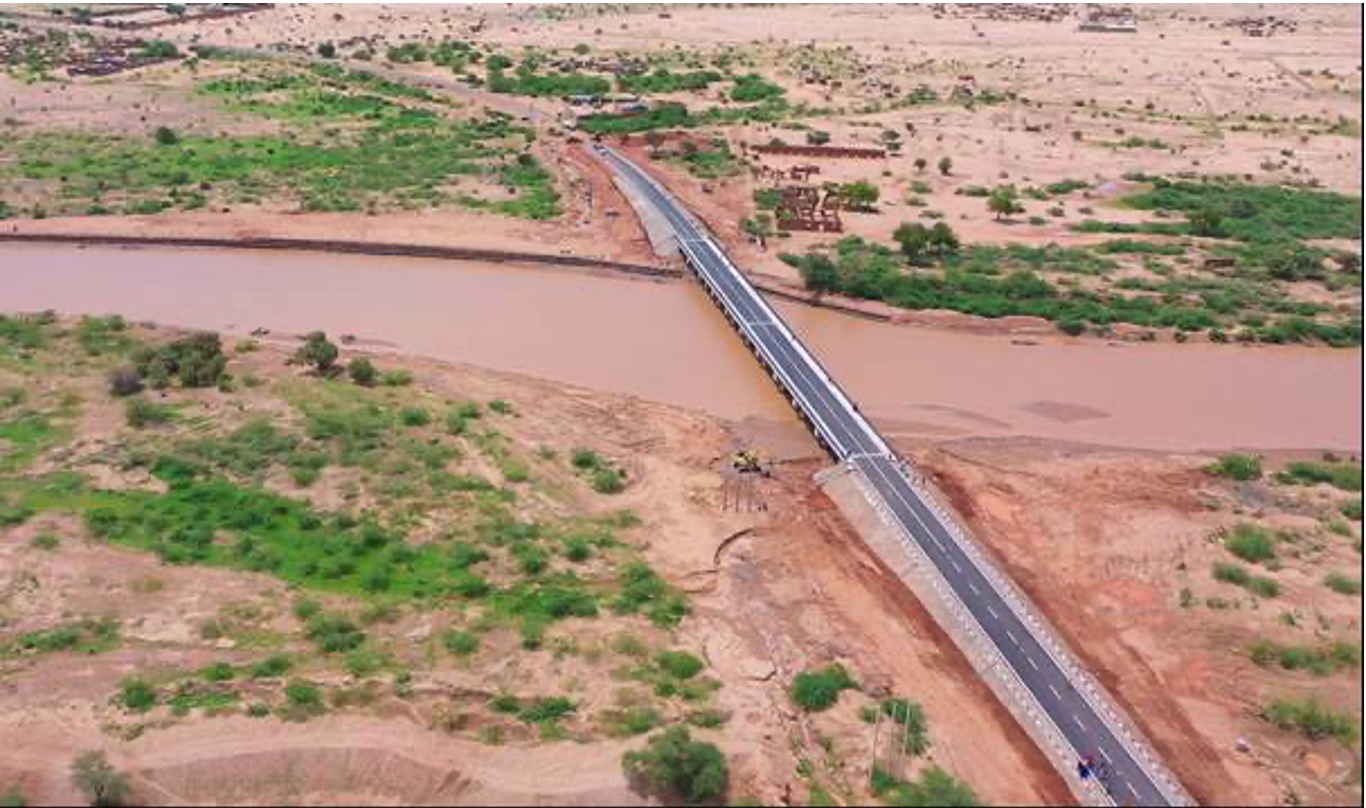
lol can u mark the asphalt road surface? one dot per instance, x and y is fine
(852, 439)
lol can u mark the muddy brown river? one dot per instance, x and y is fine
(666, 342)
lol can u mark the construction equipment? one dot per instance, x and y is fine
(748, 461)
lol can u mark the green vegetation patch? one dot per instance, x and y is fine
(354, 143)
(1312, 719)
(1251, 543)
(818, 690)
(675, 766)
(89, 635)
(934, 787)
(1320, 661)
(1240, 467)
(1343, 476)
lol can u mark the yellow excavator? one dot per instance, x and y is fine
(748, 461)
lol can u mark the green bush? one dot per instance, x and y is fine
(414, 416)
(675, 766)
(608, 481)
(218, 672)
(1311, 718)
(137, 695)
(818, 690)
(1351, 509)
(100, 782)
(679, 664)
(935, 787)
(141, 413)
(272, 667)
(1342, 584)
(1251, 543)
(1240, 467)
(460, 643)
(546, 710)
(195, 361)
(911, 718)
(1344, 476)
(334, 633)
(586, 459)
(362, 372)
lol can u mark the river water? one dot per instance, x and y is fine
(666, 342)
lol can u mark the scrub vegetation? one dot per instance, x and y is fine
(344, 140)
(1262, 230)
(413, 525)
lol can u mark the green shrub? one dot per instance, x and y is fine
(679, 664)
(545, 710)
(631, 721)
(1351, 509)
(100, 782)
(195, 361)
(1344, 476)
(675, 766)
(608, 481)
(1311, 718)
(396, 378)
(586, 459)
(1342, 584)
(137, 695)
(45, 541)
(218, 672)
(460, 643)
(334, 633)
(1251, 543)
(910, 717)
(1235, 466)
(141, 413)
(303, 700)
(362, 372)
(414, 416)
(935, 787)
(818, 690)
(272, 667)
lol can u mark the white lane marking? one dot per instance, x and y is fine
(1130, 786)
(956, 568)
(973, 587)
(994, 615)
(1032, 663)
(1056, 694)
(1012, 637)
(1078, 721)
(1106, 755)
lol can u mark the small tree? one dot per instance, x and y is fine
(819, 274)
(1002, 201)
(817, 137)
(943, 241)
(362, 372)
(914, 239)
(319, 352)
(166, 136)
(100, 782)
(861, 195)
(327, 50)
(1208, 221)
(920, 163)
(945, 165)
(675, 765)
